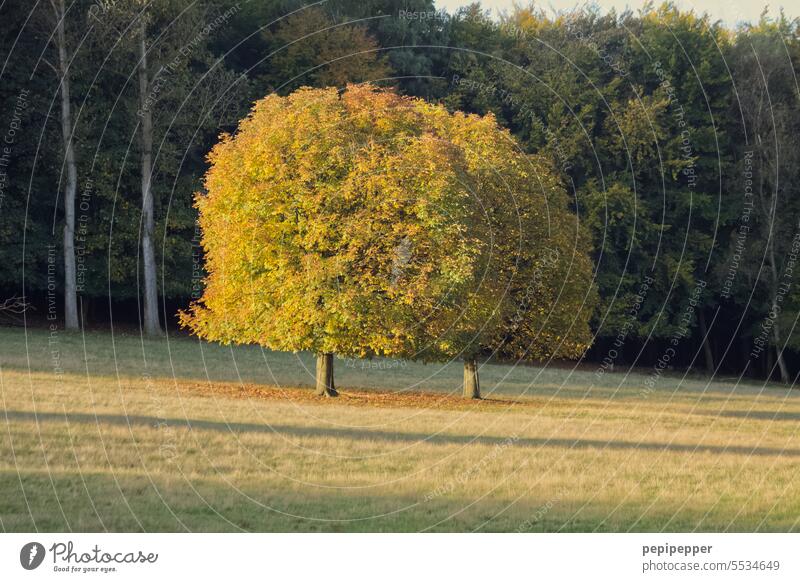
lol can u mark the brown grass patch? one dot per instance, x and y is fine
(354, 397)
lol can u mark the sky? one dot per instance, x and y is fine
(729, 11)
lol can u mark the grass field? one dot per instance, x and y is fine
(105, 432)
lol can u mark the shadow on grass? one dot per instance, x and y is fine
(348, 433)
(140, 502)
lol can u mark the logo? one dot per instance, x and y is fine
(31, 555)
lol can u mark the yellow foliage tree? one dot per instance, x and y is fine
(533, 293)
(364, 223)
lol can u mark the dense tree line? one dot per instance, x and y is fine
(675, 136)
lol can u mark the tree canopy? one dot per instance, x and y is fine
(365, 223)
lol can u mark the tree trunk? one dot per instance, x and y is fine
(744, 352)
(776, 330)
(325, 385)
(70, 285)
(472, 385)
(776, 334)
(781, 363)
(701, 316)
(151, 323)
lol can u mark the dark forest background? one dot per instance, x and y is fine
(677, 137)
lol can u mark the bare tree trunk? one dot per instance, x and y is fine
(151, 323)
(70, 285)
(701, 316)
(472, 385)
(325, 385)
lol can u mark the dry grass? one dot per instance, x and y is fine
(109, 443)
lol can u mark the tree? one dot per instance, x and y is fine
(416, 47)
(532, 293)
(55, 17)
(179, 92)
(313, 49)
(30, 167)
(145, 77)
(763, 61)
(627, 108)
(70, 286)
(318, 187)
(361, 224)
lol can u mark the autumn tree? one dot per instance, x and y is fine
(305, 212)
(532, 292)
(365, 223)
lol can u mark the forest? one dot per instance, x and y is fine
(675, 136)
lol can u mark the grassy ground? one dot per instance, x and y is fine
(103, 432)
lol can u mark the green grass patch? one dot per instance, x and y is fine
(112, 432)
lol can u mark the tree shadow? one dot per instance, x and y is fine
(399, 437)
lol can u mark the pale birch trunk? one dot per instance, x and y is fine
(70, 284)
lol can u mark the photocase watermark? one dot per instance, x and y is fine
(197, 263)
(53, 336)
(168, 447)
(664, 361)
(743, 229)
(423, 15)
(66, 559)
(525, 111)
(607, 363)
(99, 7)
(380, 364)
(31, 555)
(686, 148)
(550, 260)
(82, 234)
(10, 138)
(543, 510)
(612, 62)
(470, 473)
(163, 76)
(507, 28)
(400, 260)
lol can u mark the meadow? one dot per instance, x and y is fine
(112, 432)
